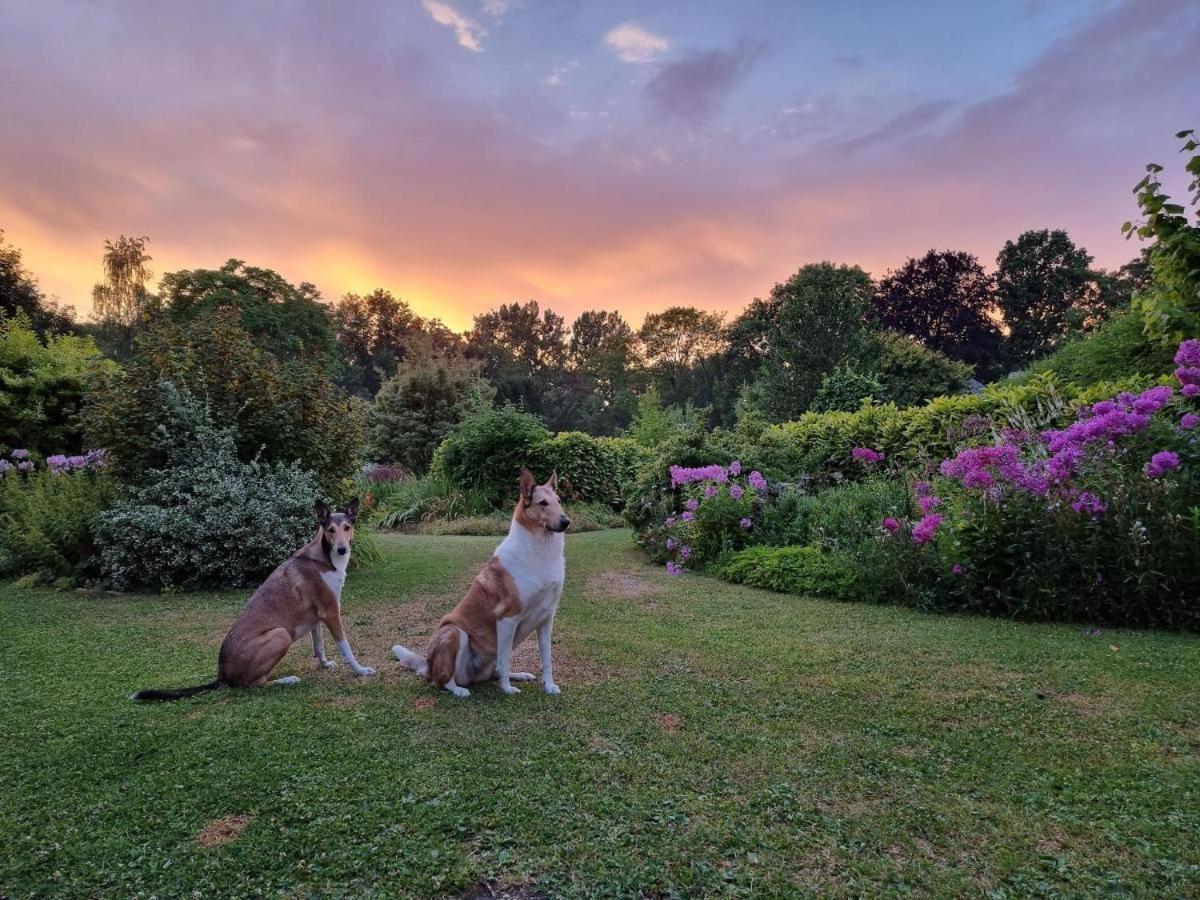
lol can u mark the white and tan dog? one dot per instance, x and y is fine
(516, 593)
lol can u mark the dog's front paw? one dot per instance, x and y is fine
(551, 688)
(522, 676)
(364, 671)
(509, 689)
(326, 664)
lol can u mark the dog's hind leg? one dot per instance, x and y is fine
(287, 679)
(263, 655)
(410, 660)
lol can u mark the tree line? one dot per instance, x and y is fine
(829, 336)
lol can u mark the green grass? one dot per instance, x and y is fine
(710, 739)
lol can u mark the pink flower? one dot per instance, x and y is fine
(685, 552)
(735, 468)
(890, 525)
(867, 456)
(1089, 503)
(710, 491)
(672, 544)
(674, 569)
(924, 530)
(692, 505)
(929, 503)
(669, 521)
(1190, 390)
(1161, 463)
(1189, 421)
(757, 481)
(735, 491)
(745, 522)
(923, 488)
(688, 516)
(956, 569)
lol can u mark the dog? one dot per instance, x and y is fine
(516, 593)
(296, 599)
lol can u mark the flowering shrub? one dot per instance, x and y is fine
(45, 510)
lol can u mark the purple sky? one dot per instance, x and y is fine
(620, 155)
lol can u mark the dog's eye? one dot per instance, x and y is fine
(543, 503)
(347, 527)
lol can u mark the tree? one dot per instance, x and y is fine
(286, 320)
(911, 373)
(524, 353)
(122, 302)
(678, 346)
(421, 404)
(819, 324)
(42, 381)
(374, 333)
(20, 295)
(944, 300)
(602, 352)
(1042, 284)
(281, 410)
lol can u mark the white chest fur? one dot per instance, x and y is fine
(536, 564)
(336, 579)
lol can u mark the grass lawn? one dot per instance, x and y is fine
(710, 739)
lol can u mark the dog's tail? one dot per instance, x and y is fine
(177, 694)
(410, 660)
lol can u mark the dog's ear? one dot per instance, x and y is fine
(528, 483)
(553, 482)
(352, 510)
(322, 511)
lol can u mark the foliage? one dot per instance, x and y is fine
(207, 518)
(377, 332)
(415, 410)
(487, 451)
(42, 382)
(651, 423)
(1042, 284)
(123, 302)
(282, 411)
(287, 321)
(944, 300)
(1118, 347)
(791, 570)
(426, 499)
(21, 296)
(676, 344)
(818, 324)
(45, 513)
(1171, 307)
(846, 390)
(911, 373)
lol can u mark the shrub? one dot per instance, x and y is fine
(791, 570)
(425, 499)
(912, 373)
(42, 385)
(844, 389)
(45, 511)
(415, 410)
(487, 451)
(206, 519)
(1111, 352)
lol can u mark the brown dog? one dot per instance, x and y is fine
(515, 594)
(294, 600)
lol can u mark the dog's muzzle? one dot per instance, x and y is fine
(563, 524)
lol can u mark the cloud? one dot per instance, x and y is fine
(694, 88)
(634, 44)
(469, 33)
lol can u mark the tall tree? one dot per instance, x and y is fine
(20, 295)
(602, 352)
(1042, 285)
(819, 324)
(122, 302)
(678, 346)
(946, 301)
(284, 319)
(375, 332)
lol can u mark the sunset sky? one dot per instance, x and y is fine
(618, 155)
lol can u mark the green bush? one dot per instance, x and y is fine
(420, 500)
(206, 519)
(42, 384)
(44, 517)
(1109, 353)
(844, 389)
(487, 451)
(912, 373)
(791, 570)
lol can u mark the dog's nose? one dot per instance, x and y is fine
(564, 523)
(342, 551)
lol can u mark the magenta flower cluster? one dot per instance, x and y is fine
(1187, 358)
(57, 464)
(924, 530)
(714, 476)
(867, 456)
(1161, 463)
(681, 476)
